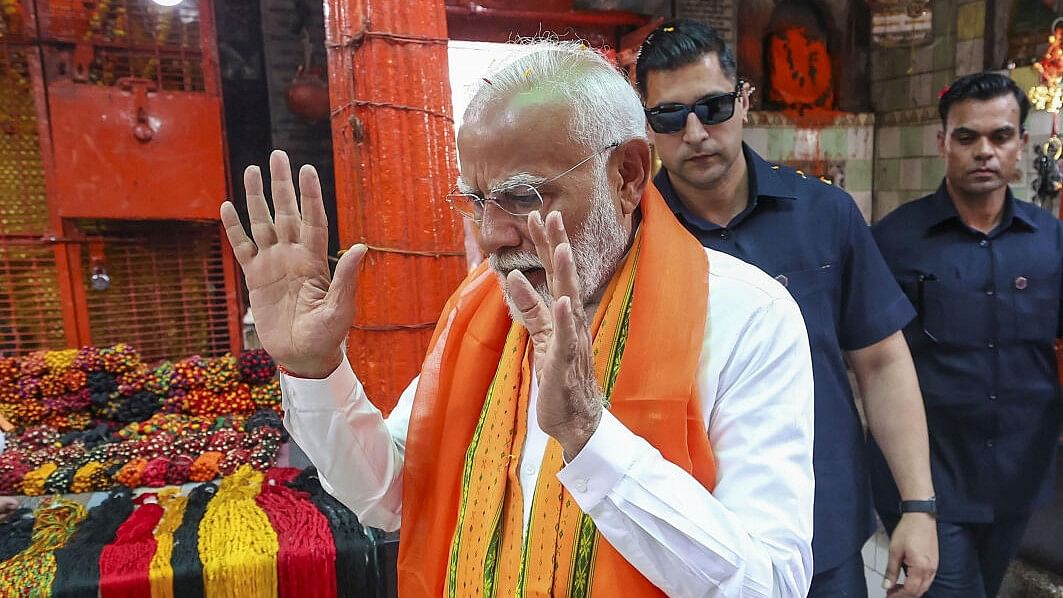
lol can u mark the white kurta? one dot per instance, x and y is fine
(751, 536)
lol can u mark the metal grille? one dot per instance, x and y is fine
(30, 312)
(133, 38)
(167, 288)
(23, 205)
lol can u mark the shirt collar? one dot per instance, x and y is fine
(764, 178)
(942, 210)
(764, 181)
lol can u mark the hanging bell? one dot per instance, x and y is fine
(307, 95)
(99, 280)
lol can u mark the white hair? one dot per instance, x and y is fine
(605, 107)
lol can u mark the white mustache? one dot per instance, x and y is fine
(507, 262)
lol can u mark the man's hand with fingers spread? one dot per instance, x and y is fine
(570, 403)
(302, 313)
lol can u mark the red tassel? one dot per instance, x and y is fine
(125, 563)
(306, 561)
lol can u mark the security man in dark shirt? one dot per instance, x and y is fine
(983, 270)
(813, 239)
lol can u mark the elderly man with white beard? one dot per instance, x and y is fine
(605, 409)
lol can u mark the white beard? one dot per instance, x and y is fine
(596, 249)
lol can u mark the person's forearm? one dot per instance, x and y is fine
(893, 406)
(350, 443)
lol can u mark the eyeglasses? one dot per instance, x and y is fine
(710, 110)
(519, 199)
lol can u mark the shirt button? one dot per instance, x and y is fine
(989, 444)
(579, 485)
(1021, 283)
(989, 292)
(992, 397)
(783, 280)
(983, 243)
(725, 234)
(992, 345)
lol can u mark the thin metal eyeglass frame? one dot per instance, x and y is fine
(482, 201)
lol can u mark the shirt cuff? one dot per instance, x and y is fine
(319, 394)
(606, 458)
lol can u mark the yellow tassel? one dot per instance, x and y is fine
(33, 482)
(83, 477)
(237, 544)
(33, 569)
(160, 572)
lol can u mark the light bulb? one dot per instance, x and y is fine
(167, 2)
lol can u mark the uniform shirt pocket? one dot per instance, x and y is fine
(1035, 306)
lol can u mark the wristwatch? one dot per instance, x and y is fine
(920, 506)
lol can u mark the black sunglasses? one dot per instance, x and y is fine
(710, 110)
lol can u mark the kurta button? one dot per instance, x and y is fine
(1021, 283)
(783, 280)
(529, 470)
(983, 243)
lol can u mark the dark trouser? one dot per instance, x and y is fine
(972, 557)
(844, 581)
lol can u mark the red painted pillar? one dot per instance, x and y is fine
(393, 139)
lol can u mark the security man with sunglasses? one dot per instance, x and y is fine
(813, 239)
(983, 270)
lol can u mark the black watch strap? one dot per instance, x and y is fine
(919, 506)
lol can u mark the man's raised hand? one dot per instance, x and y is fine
(302, 314)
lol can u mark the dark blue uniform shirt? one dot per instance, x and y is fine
(813, 239)
(983, 344)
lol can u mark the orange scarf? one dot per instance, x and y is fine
(462, 514)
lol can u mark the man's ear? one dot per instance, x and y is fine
(632, 164)
(744, 99)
